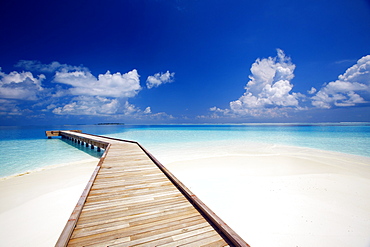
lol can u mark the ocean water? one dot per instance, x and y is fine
(24, 149)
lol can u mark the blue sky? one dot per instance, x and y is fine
(174, 61)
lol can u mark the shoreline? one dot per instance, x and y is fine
(36, 206)
(48, 167)
(296, 196)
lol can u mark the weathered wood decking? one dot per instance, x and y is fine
(133, 200)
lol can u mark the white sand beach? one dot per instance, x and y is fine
(270, 195)
(36, 206)
(284, 196)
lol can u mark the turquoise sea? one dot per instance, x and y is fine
(25, 148)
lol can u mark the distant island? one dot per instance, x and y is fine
(110, 124)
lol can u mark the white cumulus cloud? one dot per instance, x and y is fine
(268, 90)
(312, 90)
(20, 85)
(108, 85)
(159, 78)
(348, 90)
(148, 110)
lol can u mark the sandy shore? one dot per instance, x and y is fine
(284, 196)
(35, 207)
(270, 195)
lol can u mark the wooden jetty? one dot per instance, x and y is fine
(133, 200)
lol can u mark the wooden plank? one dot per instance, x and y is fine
(162, 237)
(130, 184)
(117, 183)
(141, 230)
(138, 218)
(143, 202)
(189, 231)
(130, 190)
(203, 240)
(144, 197)
(108, 237)
(135, 210)
(148, 205)
(124, 209)
(122, 192)
(162, 232)
(218, 243)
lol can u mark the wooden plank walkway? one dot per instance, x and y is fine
(133, 200)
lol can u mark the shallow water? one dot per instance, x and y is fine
(26, 148)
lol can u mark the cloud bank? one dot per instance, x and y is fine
(63, 89)
(74, 90)
(104, 95)
(269, 92)
(110, 85)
